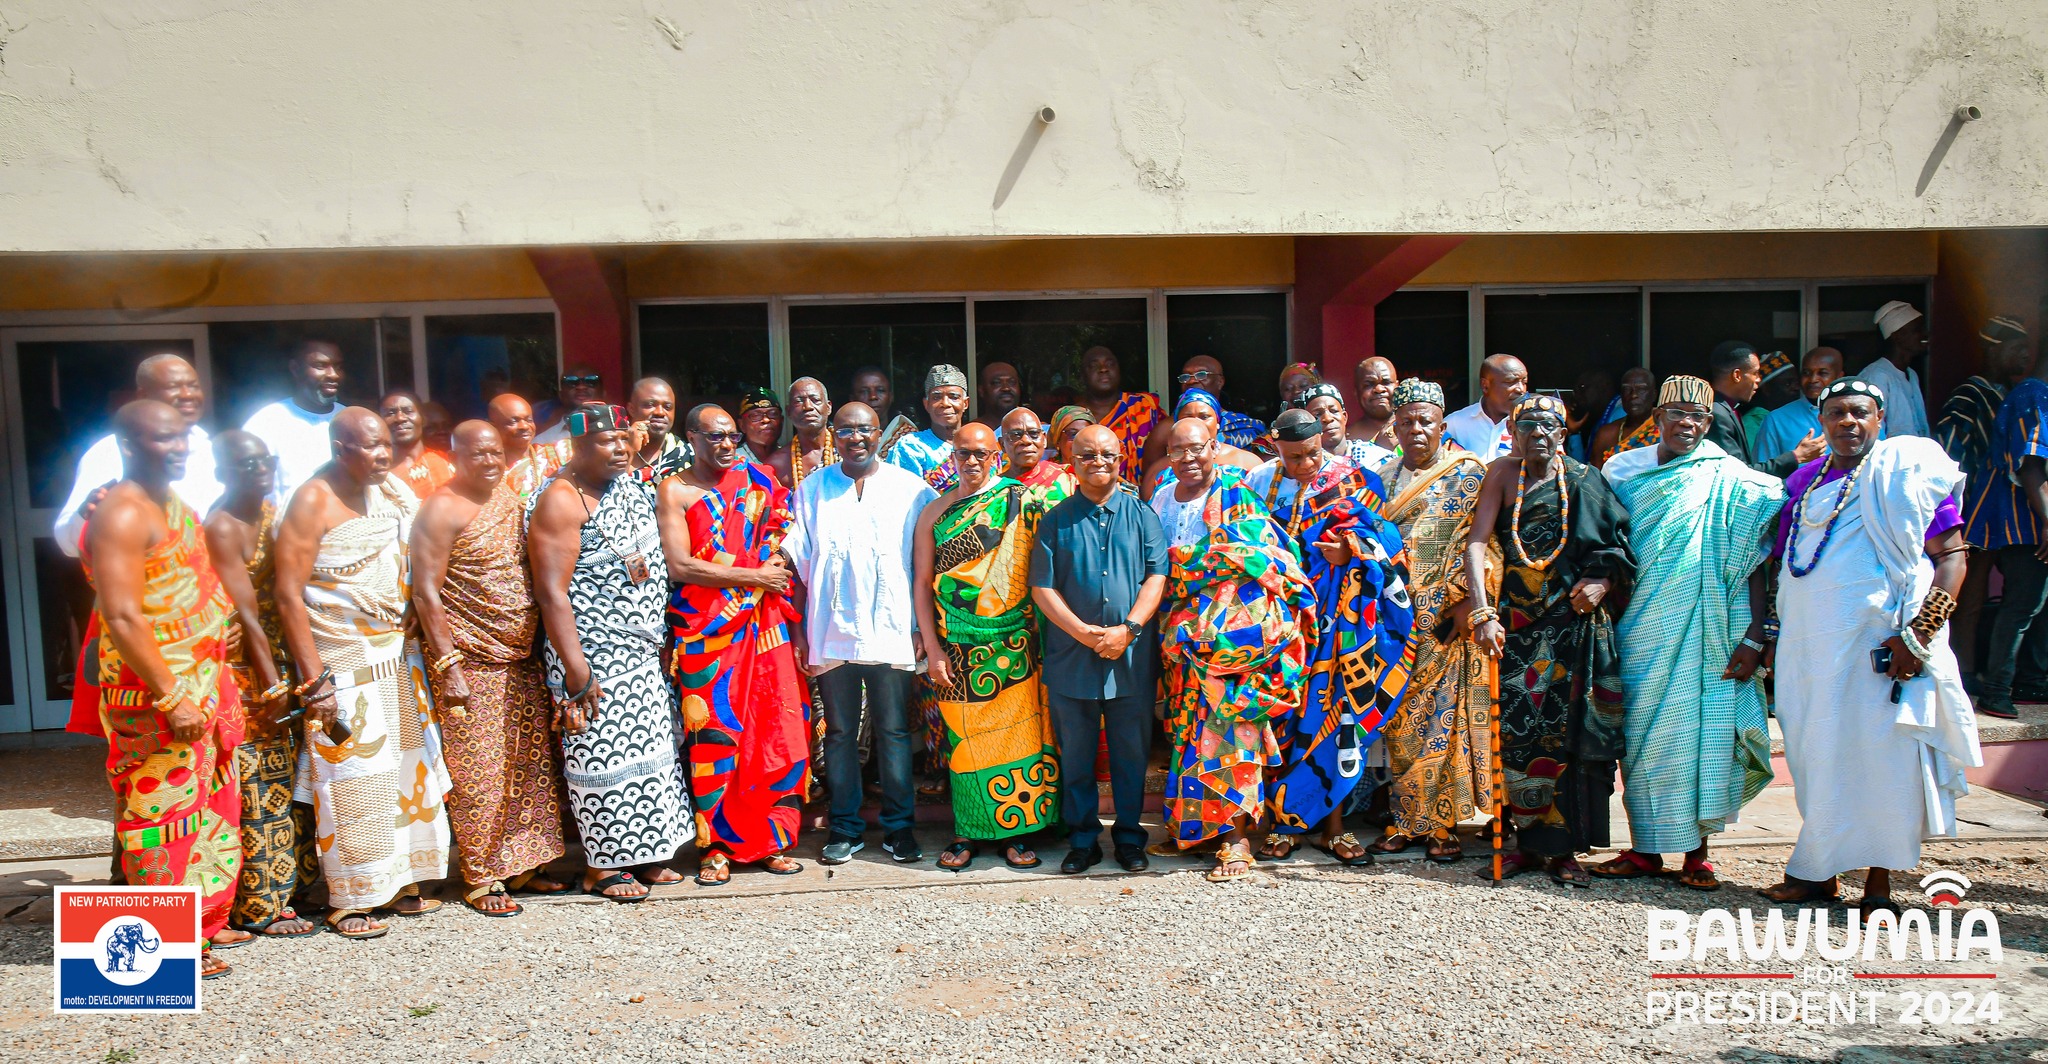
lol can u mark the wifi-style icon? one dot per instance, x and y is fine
(1944, 887)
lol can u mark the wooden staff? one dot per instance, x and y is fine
(1500, 782)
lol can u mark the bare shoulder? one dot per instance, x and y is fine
(225, 533)
(929, 515)
(560, 507)
(126, 513)
(311, 509)
(445, 513)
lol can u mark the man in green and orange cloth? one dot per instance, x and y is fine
(1563, 539)
(972, 591)
(744, 701)
(1028, 458)
(1693, 638)
(1240, 620)
(157, 676)
(1358, 665)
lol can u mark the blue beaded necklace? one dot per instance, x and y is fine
(1827, 533)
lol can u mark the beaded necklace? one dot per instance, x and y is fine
(1300, 498)
(1564, 501)
(1828, 531)
(827, 454)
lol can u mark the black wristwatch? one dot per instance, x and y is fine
(1134, 628)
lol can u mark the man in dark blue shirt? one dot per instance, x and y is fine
(1098, 573)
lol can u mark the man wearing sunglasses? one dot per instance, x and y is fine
(1233, 428)
(1024, 455)
(169, 379)
(579, 385)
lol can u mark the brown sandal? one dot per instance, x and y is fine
(1628, 864)
(1287, 844)
(1699, 875)
(1803, 892)
(1236, 853)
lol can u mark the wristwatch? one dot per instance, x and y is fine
(1134, 628)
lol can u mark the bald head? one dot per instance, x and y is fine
(167, 378)
(513, 418)
(354, 423)
(473, 432)
(1191, 448)
(140, 418)
(153, 439)
(479, 457)
(1503, 381)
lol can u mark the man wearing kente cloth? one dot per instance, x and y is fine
(980, 632)
(1357, 667)
(1693, 638)
(158, 677)
(528, 465)
(1564, 539)
(1240, 618)
(1135, 417)
(374, 776)
(1438, 742)
(278, 863)
(1637, 425)
(745, 704)
(478, 619)
(1028, 459)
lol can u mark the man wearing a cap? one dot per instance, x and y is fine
(1780, 386)
(1693, 639)
(2006, 510)
(1905, 335)
(929, 452)
(1794, 428)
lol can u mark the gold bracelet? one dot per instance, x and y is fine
(169, 699)
(1484, 614)
(448, 661)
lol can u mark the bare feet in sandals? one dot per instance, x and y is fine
(781, 864)
(1278, 847)
(210, 966)
(659, 875)
(1018, 855)
(715, 870)
(1802, 892)
(613, 885)
(413, 905)
(229, 938)
(289, 924)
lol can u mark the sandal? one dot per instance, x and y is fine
(1566, 871)
(1357, 860)
(1869, 906)
(1803, 892)
(522, 884)
(959, 847)
(219, 943)
(210, 966)
(492, 890)
(1445, 851)
(1511, 865)
(617, 879)
(427, 906)
(1010, 857)
(1287, 844)
(788, 865)
(1699, 875)
(340, 916)
(1393, 842)
(285, 916)
(659, 875)
(715, 870)
(1629, 864)
(1236, 853)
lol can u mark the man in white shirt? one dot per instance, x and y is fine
(1905, 333)
(851, 547)
(295, 428)
(169, 379)
(1482, 428)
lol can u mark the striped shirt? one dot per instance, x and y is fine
(1964, 428)
(1999, 515)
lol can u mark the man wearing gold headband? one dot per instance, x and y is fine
(1693, 639)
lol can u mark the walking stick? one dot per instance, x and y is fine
(1499, 781)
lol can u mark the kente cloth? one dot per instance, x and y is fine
(745, 704)
(1872, 776)
(542, 461)
(1239, 621)
(505, 806)
(376, 795)
(1644, 435)
(1358, 665)
(1560, 673)
(277, 833)
(1133, 418)
(930, 457)
(896, 431)
(1242, 430)
(1439, 741)
(178, 804)
(1698, 747)
(1046, 474)
(999, 742)
(625, 790)
(428, 472)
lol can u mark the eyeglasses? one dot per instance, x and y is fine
(974, 456)
(1095, 456)
(1032, 433)
(721, 437)
(1696, 417)
(849, 432)
(1182, 454)
(1195, 375)
(570, 380)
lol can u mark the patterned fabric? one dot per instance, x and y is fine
(1560, 673)
(1133, 418)
(1439, 742)
(930, 457)
(505, 804)
(1679, 388)
(425, 474)
(1239, 430)
(1967, 426)
(999, 744)
(1239, 618)
(1698, 748)
(542, 461)
(376, 796)
(178, 804)
(1358, 669)
(671, 460)
(743, 698)
(1046, 474)
(1644, 435)
(1999, 514)
(623, 786)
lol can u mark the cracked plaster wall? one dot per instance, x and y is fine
(199, 124)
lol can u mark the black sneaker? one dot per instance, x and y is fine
(840, 849)
(902, 845)
(2000, 708)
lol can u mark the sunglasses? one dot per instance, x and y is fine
(570, 380)
(974, 456)
(722, 437)
(1032, 433)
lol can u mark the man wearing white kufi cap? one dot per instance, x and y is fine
(1905, 333)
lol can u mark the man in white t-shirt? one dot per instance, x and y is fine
(295, 428)
(168, 379)
(1482, 428)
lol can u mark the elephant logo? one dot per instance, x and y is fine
(128, 950)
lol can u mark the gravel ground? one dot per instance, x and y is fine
(1301, 962)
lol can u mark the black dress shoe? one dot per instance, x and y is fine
(1079, 861)
(1133, 858)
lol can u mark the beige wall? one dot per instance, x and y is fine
(222, 124)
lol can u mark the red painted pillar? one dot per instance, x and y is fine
(1337, 282)
(590, 294)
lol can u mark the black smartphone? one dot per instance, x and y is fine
(1881, 659)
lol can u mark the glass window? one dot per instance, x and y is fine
(69, 391)
(250, 359)
(395, 336)
(1045, 339)
(1246, 332)
(830, 341)
(6, 646)
(64, 605)
(473, 357)
(1847, 319)
(1561, 335)
(1428, 334)
(1685, 327)
(707, 352)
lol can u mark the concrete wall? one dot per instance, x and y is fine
(217, 124)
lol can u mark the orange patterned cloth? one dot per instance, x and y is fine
(179, 816)
(1133, 418)
(541, 462)
(428, 472)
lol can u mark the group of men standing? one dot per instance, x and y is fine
(588, 632)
